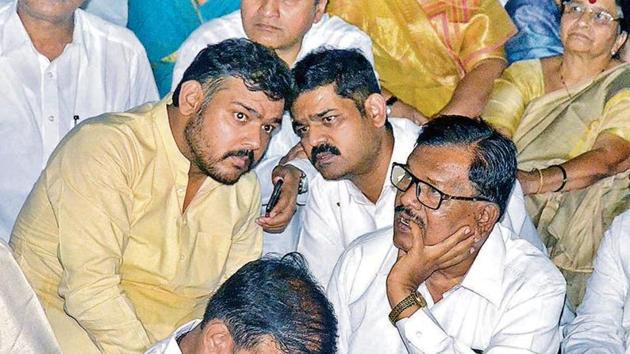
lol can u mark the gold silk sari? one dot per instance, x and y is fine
(423, 48)
(555, 128)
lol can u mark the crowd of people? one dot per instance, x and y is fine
(315, 176)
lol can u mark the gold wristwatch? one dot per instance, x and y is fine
(415, 298)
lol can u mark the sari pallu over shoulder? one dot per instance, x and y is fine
(554, 129)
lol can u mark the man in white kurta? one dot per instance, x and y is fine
(602, 324)
(512, 295)
(325, 30)
(338, 211)
(104, 68)
(484, 288)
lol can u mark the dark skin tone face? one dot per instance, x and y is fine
(228, 136)
(280, 24)
(437, 246)
(340, 141)
(447, 170)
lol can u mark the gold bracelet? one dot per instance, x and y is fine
(540, 181)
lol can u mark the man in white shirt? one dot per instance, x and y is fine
(270, 306)
(602, 324)
(342, 120)
(61, 65)
(293, 29)
(454, 280)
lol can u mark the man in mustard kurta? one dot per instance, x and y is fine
(140, 216)
(437, 56)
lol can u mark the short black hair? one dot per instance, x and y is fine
(347, 69)
(493, 167)
(277, 298)
(259, 67)
(624, 16)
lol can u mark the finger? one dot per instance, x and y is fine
(457, 254)
(461, 234)
(417, 242)
(286, 206)
(440, 249)
(272, 223)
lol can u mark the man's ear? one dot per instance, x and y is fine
(320, 9)
(216, 338)
(190, 97)
(376, 109)
(487, 216)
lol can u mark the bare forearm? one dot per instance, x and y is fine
(581, 171)
(472, 92)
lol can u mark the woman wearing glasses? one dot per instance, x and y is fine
(569, 117)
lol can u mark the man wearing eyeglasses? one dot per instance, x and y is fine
(454, 280)
(342, 122)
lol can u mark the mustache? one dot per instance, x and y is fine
(240, 153)
(323, 148)
(411, 215)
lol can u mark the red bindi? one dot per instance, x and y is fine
(592, 1)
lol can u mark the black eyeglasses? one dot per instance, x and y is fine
(426, 194)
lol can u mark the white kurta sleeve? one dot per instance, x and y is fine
(598, 327)
(320, 239)
(522, 328)
(339, 297)
(143, 88)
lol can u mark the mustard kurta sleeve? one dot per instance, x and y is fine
(519, 84)
(92, 203)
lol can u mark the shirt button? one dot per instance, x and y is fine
(180, 190)
(185, 222)
(181, 258)
(50, 75)
(51, 118)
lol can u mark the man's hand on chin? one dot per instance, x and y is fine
(416, 265)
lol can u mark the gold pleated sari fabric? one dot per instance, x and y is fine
(553, 129)
(422, 48)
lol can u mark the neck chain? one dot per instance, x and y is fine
(566, 87)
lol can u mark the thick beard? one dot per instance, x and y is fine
(192, 133)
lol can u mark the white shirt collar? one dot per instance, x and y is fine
(400, 152)
(169, 344)
(15, 36)
(485, 276)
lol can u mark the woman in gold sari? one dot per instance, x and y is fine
(569, 117)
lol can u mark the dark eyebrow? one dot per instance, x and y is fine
(321, 114)
(249, 109)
